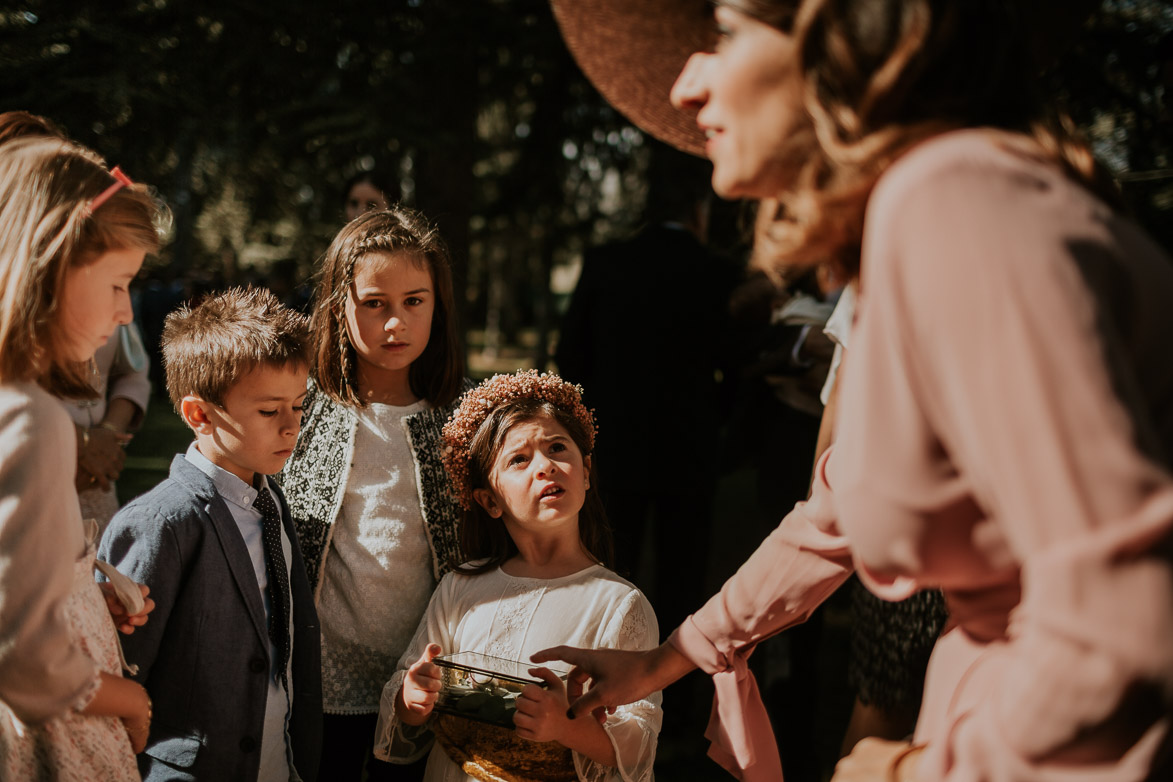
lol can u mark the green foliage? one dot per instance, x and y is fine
(249, 116)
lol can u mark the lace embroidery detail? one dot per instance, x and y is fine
(515, 609)
(75, 747)
(314, 478)
(634, 628)
(395, 740)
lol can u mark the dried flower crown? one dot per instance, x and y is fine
(498, 390)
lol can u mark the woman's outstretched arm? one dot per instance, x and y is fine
(617, 677)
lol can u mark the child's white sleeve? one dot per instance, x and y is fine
(633, 729)
(395, 741)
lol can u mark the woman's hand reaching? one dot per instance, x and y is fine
(616, 677)
(421, 687)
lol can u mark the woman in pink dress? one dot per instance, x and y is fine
(1006, 413)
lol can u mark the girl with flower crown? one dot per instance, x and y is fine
(365, 485)
(536, 545)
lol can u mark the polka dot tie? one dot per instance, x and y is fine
(278, 575)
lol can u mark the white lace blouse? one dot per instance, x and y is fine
(498, 614)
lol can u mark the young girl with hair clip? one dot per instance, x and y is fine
(365, 485)
(536, 548)
(72, 237)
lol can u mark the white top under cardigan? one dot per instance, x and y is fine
(505, 616)
(378, 575)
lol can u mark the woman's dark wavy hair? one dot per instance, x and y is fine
(484, 538)
(879, 76)
(437, 375)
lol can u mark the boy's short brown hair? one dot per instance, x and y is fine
(208, 348)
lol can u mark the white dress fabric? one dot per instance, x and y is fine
(509, 617)
(74, 747)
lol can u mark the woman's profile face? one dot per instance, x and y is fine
(747, 98)
(363, 197)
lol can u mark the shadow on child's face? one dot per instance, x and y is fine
(256, 428)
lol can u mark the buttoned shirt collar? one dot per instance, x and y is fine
(228, 486)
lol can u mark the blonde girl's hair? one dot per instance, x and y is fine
(438, 373)
(47, 228)
(879, 76)
(22, 124)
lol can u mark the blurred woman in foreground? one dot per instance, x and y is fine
(1006, 413)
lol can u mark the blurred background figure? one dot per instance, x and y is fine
(647, 317)
(119, 373)
(368, 190)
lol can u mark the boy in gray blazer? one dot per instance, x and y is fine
(231, 656)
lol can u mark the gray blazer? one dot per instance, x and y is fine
(204, 653)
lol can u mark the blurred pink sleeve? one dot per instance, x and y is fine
(1026, 328)
(797, 567)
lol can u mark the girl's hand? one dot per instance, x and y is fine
(877, 760)
(123, 621)
(138, 726)
(421, 687)
(138, 734)
(541, 711)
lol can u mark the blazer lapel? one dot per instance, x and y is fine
(231, 543)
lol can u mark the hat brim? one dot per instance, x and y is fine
(633, 50)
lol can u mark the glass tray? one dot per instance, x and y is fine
(482, 687)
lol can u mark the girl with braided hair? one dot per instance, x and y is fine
(365, 485)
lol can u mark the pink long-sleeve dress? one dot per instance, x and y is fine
(1005, 431)
(56, 636)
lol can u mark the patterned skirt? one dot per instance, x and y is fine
(74, 747)
(890, 646)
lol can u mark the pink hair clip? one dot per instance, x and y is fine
(121, 181)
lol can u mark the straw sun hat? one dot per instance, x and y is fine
(633, 50)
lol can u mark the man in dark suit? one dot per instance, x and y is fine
(643, 335)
